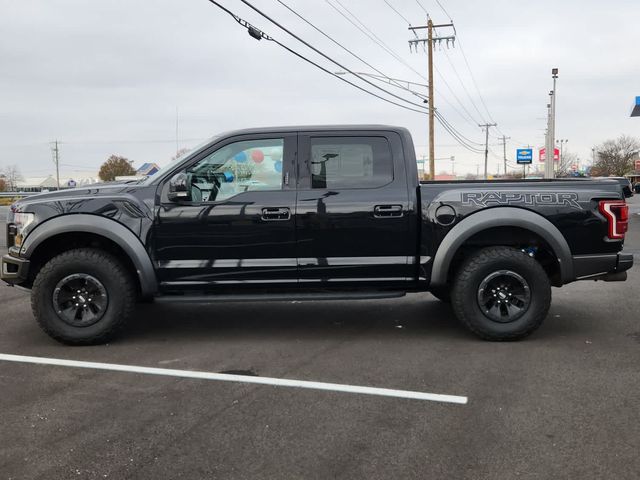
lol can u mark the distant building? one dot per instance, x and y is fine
(635, 112)
(445, 176)
(48, 183)
(147, 169)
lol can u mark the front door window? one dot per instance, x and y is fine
(236, 168)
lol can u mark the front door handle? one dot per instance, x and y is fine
(274, 214)
(385, 211)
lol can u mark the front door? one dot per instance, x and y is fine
(237, 230)
(353, 215)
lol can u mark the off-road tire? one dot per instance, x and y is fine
(117, 280)
(479, 266)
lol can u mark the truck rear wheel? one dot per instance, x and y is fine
(83, 297)
(500, 293)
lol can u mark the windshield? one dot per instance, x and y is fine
(169, 166)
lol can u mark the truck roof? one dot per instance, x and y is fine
(312, 128)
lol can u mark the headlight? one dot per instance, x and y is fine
(20, 222)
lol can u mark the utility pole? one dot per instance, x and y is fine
(453, 169)
(486, 144)
(551, 130)
(504, 151)
(56, 160)
(177, 145)
(432, 147)
(430, 41)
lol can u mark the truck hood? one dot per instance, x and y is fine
(78, 195)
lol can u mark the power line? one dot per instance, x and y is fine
(399, 14)
(455, 71)
(486, 148)
(393, 82)
(443, 10)
(475, 84)
(422, 7)
(466, 61)
(308, 45)
(444, 80)
(338, 43)
(258, 35)
(372, 36)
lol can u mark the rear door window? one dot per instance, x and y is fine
(350, 162)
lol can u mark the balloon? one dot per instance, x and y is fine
(257, 156)
(240, 157)
(276, 154)
(278, 166)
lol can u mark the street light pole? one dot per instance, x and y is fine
(561, 141)
(550, 147)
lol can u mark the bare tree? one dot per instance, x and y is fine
(567, 160)
(180, 153)
(615, 157)
(12, 176)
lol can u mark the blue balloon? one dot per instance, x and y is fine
(240, 157)
(278, 166)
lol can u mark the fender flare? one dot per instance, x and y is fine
(104, 227)
(501, 217)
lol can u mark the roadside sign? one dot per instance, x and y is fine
(636, 165)
(524, 155)
(543, 154)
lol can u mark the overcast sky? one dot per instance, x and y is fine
(106, 77)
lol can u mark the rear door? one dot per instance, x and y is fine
(353, 226)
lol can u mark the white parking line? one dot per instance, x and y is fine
(224, 377)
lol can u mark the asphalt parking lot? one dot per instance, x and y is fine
(562, 404)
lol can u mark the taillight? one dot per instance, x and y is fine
(617, 214)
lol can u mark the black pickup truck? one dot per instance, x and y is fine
(330, 212)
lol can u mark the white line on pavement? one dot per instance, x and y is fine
(224, 377)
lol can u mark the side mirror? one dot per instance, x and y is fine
(179, 188)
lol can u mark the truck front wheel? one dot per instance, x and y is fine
(500, 293)
(83, 297)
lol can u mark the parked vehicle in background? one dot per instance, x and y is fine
(311, 213)
(624, 182)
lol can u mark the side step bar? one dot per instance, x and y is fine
(278, 297)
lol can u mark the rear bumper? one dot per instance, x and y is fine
(14, 270)
(610, 266)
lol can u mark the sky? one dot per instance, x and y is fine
(113, 77)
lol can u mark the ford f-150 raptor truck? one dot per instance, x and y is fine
(329, 212)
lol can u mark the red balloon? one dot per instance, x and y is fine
(257, 156)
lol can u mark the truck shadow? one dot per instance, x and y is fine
(415, 315)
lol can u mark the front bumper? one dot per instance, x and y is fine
(610, 266)
(14, 270)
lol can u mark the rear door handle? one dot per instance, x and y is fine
(274, 214)
(384, 211)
